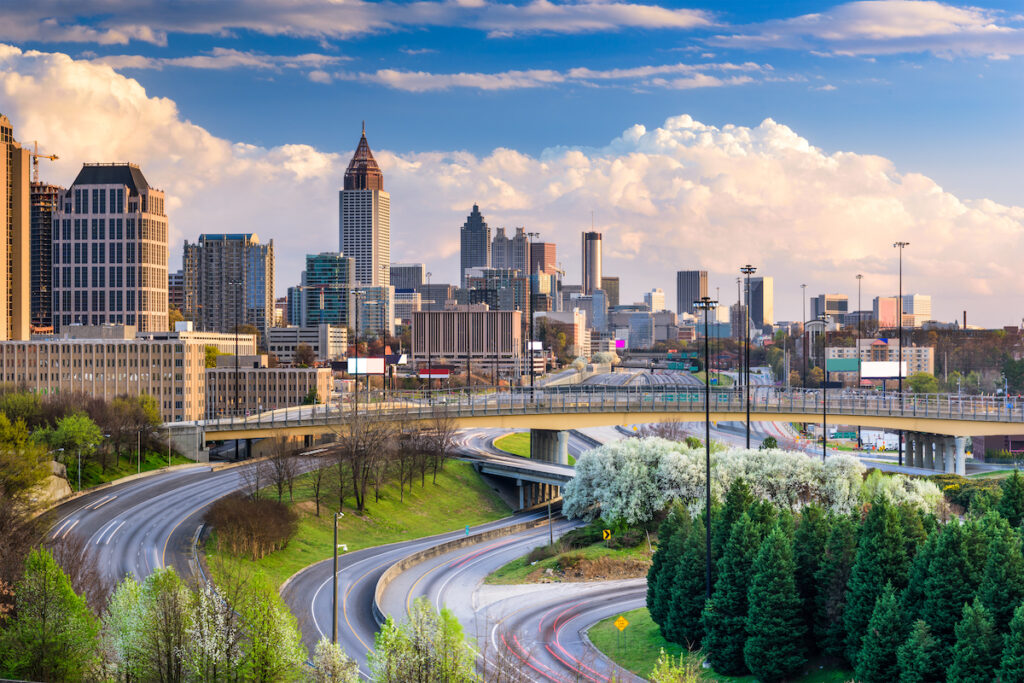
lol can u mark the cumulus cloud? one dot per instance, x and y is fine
(878, 27)
(118, 21)
(680, 195)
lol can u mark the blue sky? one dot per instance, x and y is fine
(933, 88)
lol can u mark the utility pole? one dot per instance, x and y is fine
(706, 305)
(899, 354)
(747, 270)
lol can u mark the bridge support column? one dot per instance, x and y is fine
(190, 441)
(960, 448)
(945, 446)
(915, 449)
(519, 485)
(928, 456)
(549, 445)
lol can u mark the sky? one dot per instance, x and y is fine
(801, 137)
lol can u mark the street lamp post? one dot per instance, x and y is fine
(706, 304)
(860, 333)
(899, 352)
(747, 270)
(334, 594)
(824, 389)
(529, 302)
(426, 333)
(79, 470)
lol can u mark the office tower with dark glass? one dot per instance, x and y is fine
(45, 200)
(610, 285)
(474, 244)
(407, 275)
(691, 285)
(110, 251)
(543, 257)
(325, 295)
(229, 281)
(591, 262)
(15, 218)
(364, 218)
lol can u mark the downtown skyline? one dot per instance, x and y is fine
(676, 178)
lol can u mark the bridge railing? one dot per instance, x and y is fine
(420, 405)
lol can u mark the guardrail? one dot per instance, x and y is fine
(421, 405)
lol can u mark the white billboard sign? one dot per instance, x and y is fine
(888, 369)
(366, 366)
(535, 346)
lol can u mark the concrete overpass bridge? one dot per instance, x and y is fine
(936, 424)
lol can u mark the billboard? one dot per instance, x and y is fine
(366, 366)
(620, 343)
(435, 373)
(888, 369)
(535, 346)
(842, 364)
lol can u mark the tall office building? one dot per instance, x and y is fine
(832, 305)
(176, 290)
(691, 285)
(15, 214)
(474, 244)
(110, 251)
(364, 218)
(511, 252)
(591, 262)
(919, 307)
(762, 301)
(324, 297)
(229, 281)
(407, 275)
(610, 285)
(655, 300)
(543, 257)
(45, 200)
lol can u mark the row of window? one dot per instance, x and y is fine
(99, 200)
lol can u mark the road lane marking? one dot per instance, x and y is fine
(68, 531)
(111, 535)
(99, 535)
(56, 533)
(101, 502)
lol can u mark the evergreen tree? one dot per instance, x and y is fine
(881, 558)
(877, 658)
(976, 653)
(912, 600)
(1002, 584)
(808, 551)
(947, 588)
(916, 657)
(687, 596)
(1011, 667)
(831, 579)
(764, 515)
(663, 563)
(738, 500)
(914, 534)
(775, 648)
(978, 532)
(725, 614)
(1011, 505)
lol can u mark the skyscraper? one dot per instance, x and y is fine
(691, 285)
(229, 281)
(610, 285)
(762, 301)
(475, 244)
(15, 212)
(591, 261)
(832, 305)
(45, 200)
(655, 300)
(407, 275)
(325, 293)
(110, 252)
(543, 257)
(364, 218)
(511, 252)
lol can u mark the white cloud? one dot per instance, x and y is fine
(681, 195)
(878, 27)
(222, 58)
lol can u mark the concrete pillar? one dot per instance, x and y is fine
(928, 455)
(915, 449)
(948, 451)
(549, 445)
(960, 449)
(519, 485)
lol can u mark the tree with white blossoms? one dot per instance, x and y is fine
(332, 665)
(609, 357)
(900, 490)
(212, 649)
(428, 646)
(124, 631)
(634, 479)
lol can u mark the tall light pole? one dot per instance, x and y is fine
(860, 333)
(334, 594)
(824, 388)
(707, 305)
(899, 353)
(529, 301)
(747, 270)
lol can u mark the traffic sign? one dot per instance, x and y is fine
(621, 623)
(606, 534)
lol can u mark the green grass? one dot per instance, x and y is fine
(639, 645)
(518, 571)
(93, 475)
(517, 443)
(459, 497)
(994, 474)
(723, 380)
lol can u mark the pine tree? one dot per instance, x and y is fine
(1011, 667)
(914, 534)
(1002, 584)
(738, 500)
(916, 657)
(725, 615)
(808, 551)
(976, 653)
(947, 588)
(912, 600)
(775, 647)
(831, 579)
(688, 591)
(877, 658)
(1011, 505)
(881, 558)
(663, 563)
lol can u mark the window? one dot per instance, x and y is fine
(66, 228)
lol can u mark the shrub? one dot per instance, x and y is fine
(569, 561)
(251, 527)
(967, 492)
(543, 552)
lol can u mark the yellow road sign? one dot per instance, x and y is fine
(607, 534)
(621, 623)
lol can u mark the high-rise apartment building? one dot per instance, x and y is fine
(691, 285)
(591, 255)
(610, 285)
(15, 220)
(762, 301)
(110, 251)
(474, 244)
(655, 300)
(832, 305)
(229, 281)
(543, 257)
(364, 218)
(511, 252)
(374, 308)
(176, 290)
(324, 297)
(407, 275)
(45, 200)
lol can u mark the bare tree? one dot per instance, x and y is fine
(80, 562)
(284, 467)
(673, 430)
(441, 440)
(318, 483)
(256, 477)
(364, 445)
(503, 655)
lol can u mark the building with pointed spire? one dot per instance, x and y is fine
(364, 218)
(475, 243)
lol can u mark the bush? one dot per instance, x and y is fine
(569, 561)
(626, 539)
(543, 552)
(967, 492)
(251, 527)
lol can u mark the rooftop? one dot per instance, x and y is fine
(127, 174)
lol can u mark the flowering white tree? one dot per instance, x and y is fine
(900, 490)
(212, 648)
(124, 630)
(332, 665)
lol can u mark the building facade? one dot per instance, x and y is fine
(110, 251)
(511, 252)
(45, 200)
(374, 308)
(15, 220)
(543, 257)
(407, 302)
(655, 300)
(364, 218)
(407, 275)
(176, 290)
(254, 388)
(832, 305)
(329, 342)
(324, 297)
(917, 358)
(691, 285)
(229, 281)
(591, 256)
(473, 334)
(610, 285)
(762, 301)
(474, 244)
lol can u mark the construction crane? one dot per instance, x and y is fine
(36, 156)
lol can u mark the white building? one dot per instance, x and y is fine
(329, 342)
(364, 218)
(655, 300)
